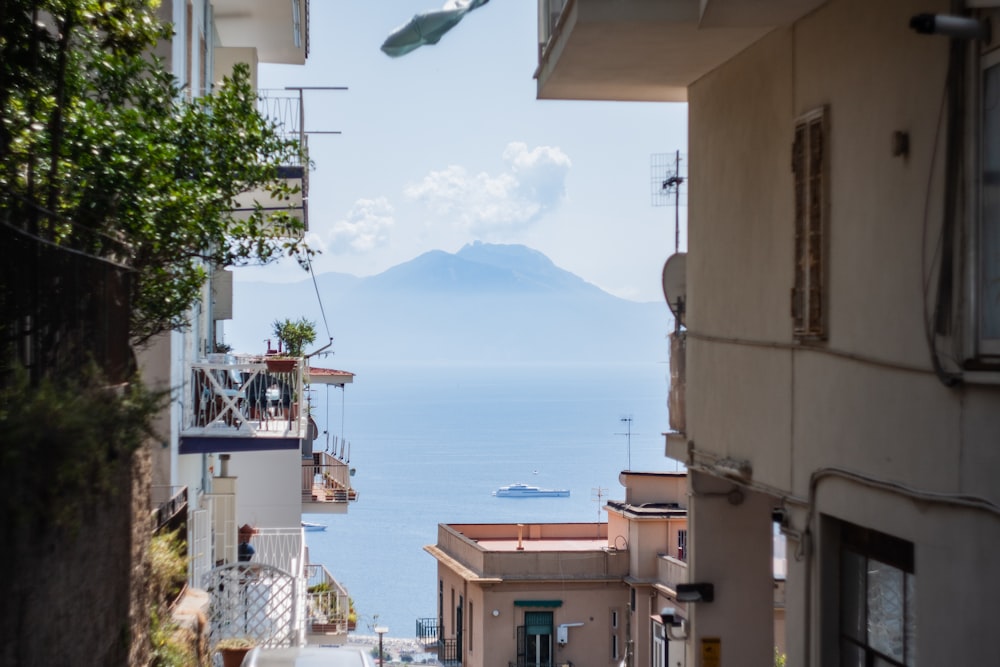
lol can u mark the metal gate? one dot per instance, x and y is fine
(255, 601)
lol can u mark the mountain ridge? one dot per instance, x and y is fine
(487, 302)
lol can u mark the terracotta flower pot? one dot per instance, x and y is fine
(233, 657)
(281, 365)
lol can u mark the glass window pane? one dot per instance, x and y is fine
(885, 609)
(851, 655)
(989, 261)
(852, 595)
(911, 620)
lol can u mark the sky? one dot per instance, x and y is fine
(448, 145)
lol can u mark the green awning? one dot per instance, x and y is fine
(537, 603)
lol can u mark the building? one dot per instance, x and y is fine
(840, 347)
(568, 593)
(238, 441)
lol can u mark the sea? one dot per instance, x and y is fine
(431, 442)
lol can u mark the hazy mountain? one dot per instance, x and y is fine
(497, 303)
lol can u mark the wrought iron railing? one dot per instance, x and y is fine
(246, 397)
(169, 505)
(427, 629)
(448, 652)
(522, 662)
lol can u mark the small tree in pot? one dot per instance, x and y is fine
(294, 335)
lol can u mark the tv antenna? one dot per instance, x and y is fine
(596, 494)
(627, 420)
(668, 180)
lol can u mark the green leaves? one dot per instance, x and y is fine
(294, 335)
(95, 131)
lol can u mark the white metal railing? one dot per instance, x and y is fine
(326, 478)
(328, 603)
(199, 546)
(233, 396)
(284, 548)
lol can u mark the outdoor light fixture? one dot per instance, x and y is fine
(380, 630)
(496, 612)
(739, 470)
(961, 27)
(670, 621)
(700, 592)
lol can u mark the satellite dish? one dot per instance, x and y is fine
(675, 284)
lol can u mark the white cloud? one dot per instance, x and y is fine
(533, 184)
(365, 228)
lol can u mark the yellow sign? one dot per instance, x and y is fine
(711, 652)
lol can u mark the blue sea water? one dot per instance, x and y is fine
(431, 442)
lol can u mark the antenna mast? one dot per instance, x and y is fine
(596, 494)
(667, 182)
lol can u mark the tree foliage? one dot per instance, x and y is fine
(294, 334)
(101, 152)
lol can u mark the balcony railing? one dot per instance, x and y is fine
(326, 479)
(169, 506)
(448, 652)
(427, 630)
(549, 13)
(327, 603)
(246, 397)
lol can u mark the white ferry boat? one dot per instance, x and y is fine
(526, 491)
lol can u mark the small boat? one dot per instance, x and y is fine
(526, 491)
(313, 526)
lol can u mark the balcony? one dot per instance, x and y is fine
(244, 404)
(326, 484)
(637, 50)
(279, 31)
(286, 111)
(328, 605)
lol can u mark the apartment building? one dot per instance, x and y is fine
(567, 593)
(237, 452)
(838, 360)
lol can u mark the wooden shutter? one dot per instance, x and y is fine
(809, 169)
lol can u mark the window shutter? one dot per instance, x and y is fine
(799, 176)
(810, 182)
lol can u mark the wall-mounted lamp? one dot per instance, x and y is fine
(496, 612)
(700, 592)
(739, 470)
(961, 27)
(671, 621)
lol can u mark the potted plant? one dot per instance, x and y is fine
(234, 649)
(352, 616)
(294, 335)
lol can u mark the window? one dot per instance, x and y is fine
(809, 170)
(878, 624)
(986, 285)
(682, 544)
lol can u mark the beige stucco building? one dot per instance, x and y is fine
(568, 594)
(841, 345)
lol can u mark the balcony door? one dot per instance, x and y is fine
(535, 639)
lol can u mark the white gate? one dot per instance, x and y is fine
(255, 601)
